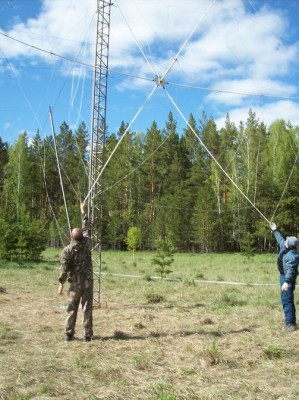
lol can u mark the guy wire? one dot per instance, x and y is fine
(211, 155)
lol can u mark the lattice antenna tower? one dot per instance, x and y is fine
(98, 133)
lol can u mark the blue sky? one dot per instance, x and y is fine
(233, 55)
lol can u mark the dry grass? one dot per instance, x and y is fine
(202, 341)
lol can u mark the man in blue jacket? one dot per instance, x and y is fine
(287, 261)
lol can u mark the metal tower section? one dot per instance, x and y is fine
(98, 130)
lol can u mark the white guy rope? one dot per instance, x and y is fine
(13, 73)
(186, 41)
(231, 92)
(111, 71)
(195, 280)
(58, 166)
(119, 142)
(43, 166)
(286, 185)
(159, 82)
(51, 53)
(211, 155)
(135, 169)
(138, 45)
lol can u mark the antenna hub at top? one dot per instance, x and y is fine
(160, 81)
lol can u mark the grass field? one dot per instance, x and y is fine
(195, 336)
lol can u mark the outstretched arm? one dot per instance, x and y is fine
(86, 223)
(278, 236)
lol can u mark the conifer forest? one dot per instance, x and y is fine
(162, 181)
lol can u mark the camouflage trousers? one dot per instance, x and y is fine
(80, 292)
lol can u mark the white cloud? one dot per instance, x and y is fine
(242, 45)
(229, 39)
(284, 109)
(235, 48)
(233, 92)
(60, 27)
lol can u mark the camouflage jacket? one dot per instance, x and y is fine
(76, 262)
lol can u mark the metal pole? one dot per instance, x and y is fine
(98, 130)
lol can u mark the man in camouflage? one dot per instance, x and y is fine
(76, 268)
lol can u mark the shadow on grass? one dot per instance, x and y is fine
(119, 335)
(151, 307)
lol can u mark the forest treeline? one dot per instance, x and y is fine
(161, 181)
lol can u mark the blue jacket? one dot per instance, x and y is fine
(290, 259)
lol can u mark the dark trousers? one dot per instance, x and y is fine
(287, 301)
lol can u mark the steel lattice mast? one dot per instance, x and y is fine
(98, 129)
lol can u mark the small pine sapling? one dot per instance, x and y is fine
(164, 257)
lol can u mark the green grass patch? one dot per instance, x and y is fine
(211, 331)
(274, 351)
(7, 334)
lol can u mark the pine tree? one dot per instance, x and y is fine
(164, 256)
(36, 182)
(153, 179)
(17, 184)
(25, 236)
(281, 160)
(3, 162)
